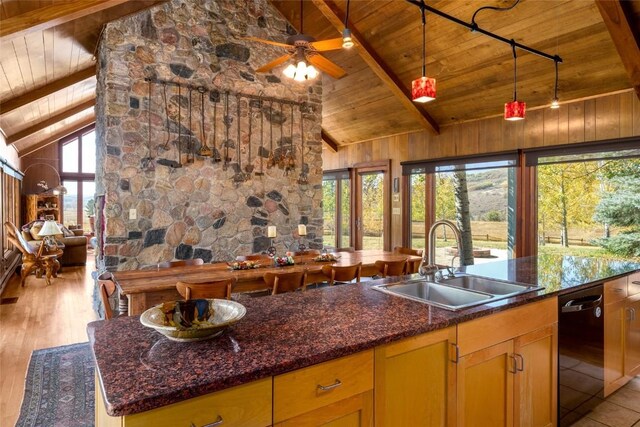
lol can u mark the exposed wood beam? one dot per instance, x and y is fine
(47, 90)
(625, 36)
(51, 16)
(50, 121)
(377, 65)
(67, 130)
(326, 138)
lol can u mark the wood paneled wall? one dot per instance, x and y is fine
(45, 164)
(607, 117)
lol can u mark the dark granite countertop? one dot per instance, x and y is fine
(141, 370)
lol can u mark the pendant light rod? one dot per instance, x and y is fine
(515, 71)
(475, 27)
(424, 39)
(555, 93)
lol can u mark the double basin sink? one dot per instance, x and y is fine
(456, 293)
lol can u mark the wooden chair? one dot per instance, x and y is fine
(307, 252)
(181, 263)
(286, 282)
(349, 249)
(107, 287)
(32, 259)
(413, 265)
(342, 274)
(391, 268)
(218, 289)
(407, 251)
(253, 257)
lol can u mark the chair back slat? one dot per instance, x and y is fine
(345, 273)
(285, 282)
(181, 263)
(217, 289)
(107, 288)
(391, 268)
(407, 251)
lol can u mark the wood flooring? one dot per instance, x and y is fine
(43, 316)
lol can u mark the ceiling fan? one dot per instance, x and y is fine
(304, 50)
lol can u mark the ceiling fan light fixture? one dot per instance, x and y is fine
(290, 71)
(347, 41)
(423, 89)
(515, 110)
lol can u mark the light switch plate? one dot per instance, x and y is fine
(133, 214)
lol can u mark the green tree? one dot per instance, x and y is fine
(620, 206)
(567, 195)
(445, 199)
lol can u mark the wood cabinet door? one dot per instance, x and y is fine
(415, 381)
(485, 387)
(535, 382)
(355, 411)
(614, 319)
(632, 336)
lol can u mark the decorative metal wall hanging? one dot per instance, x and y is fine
(148, 164)
(205, 151)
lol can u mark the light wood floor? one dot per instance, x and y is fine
(44, 316)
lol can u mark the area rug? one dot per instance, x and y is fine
(59, 389)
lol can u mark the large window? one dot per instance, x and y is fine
(336, 207)
(478, 195)
(78, 167)
(588, 202)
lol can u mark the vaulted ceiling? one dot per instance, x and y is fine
(47, 68)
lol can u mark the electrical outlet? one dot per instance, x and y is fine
(133, 214)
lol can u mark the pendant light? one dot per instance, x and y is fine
(555, 104)
(347, 41)
(423, 89)
(514, 110)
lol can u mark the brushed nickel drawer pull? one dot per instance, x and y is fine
(336, 384)
(519, 366)
(217, 422)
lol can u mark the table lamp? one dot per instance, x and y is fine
(48, 230)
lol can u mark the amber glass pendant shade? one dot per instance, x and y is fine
(514, 110)
(423, 89)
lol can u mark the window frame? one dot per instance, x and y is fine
(339, 176)
(79, 176)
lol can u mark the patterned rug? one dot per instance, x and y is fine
(59, 390)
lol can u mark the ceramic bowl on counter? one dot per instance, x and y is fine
(193, 320)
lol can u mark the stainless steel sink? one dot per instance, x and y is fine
(489, 286)
(433, 293)
(456, 293)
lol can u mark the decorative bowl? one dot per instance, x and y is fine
(326, 258)
(193, 320)
(243, 265)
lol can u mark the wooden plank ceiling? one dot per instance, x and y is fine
(474, 73)
(47, 69)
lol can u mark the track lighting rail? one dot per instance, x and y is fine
(474, 27)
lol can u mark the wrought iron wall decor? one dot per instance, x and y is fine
(192, 140)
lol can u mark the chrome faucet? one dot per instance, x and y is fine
(428, 265)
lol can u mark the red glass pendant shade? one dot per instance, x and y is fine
(423, 89)
(514, 110)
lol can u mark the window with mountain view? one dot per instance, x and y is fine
(78, 166)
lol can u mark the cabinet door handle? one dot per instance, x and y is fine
(515, 364)
(217, 422)
(457, 350)
(336, 384)
(519, 357)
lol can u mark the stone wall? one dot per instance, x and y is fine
(203, 209)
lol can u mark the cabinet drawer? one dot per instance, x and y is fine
(615, 290)
(245, 405)
(496, 328)
(300, 391)
(633, 284)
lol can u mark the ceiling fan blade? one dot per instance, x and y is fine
(256, 39)
(324, 45)
(326, 66)
(273, 63)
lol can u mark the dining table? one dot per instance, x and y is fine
(146, 288)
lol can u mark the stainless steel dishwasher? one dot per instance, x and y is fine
(581, 353)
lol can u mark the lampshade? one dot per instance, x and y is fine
(514, 110)
(50, 228)
(555, 104)
(423, 89)
(300, 72)
(347, 41)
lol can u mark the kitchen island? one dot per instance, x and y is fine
(138, 370)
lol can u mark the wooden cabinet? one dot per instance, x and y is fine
(39, 206)
(334, 393)
(245, 405)
(415, 381)
(621, 332)
(507, 368)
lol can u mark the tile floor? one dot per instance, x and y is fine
(580, 404)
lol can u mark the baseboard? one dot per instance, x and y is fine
(13, 263)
